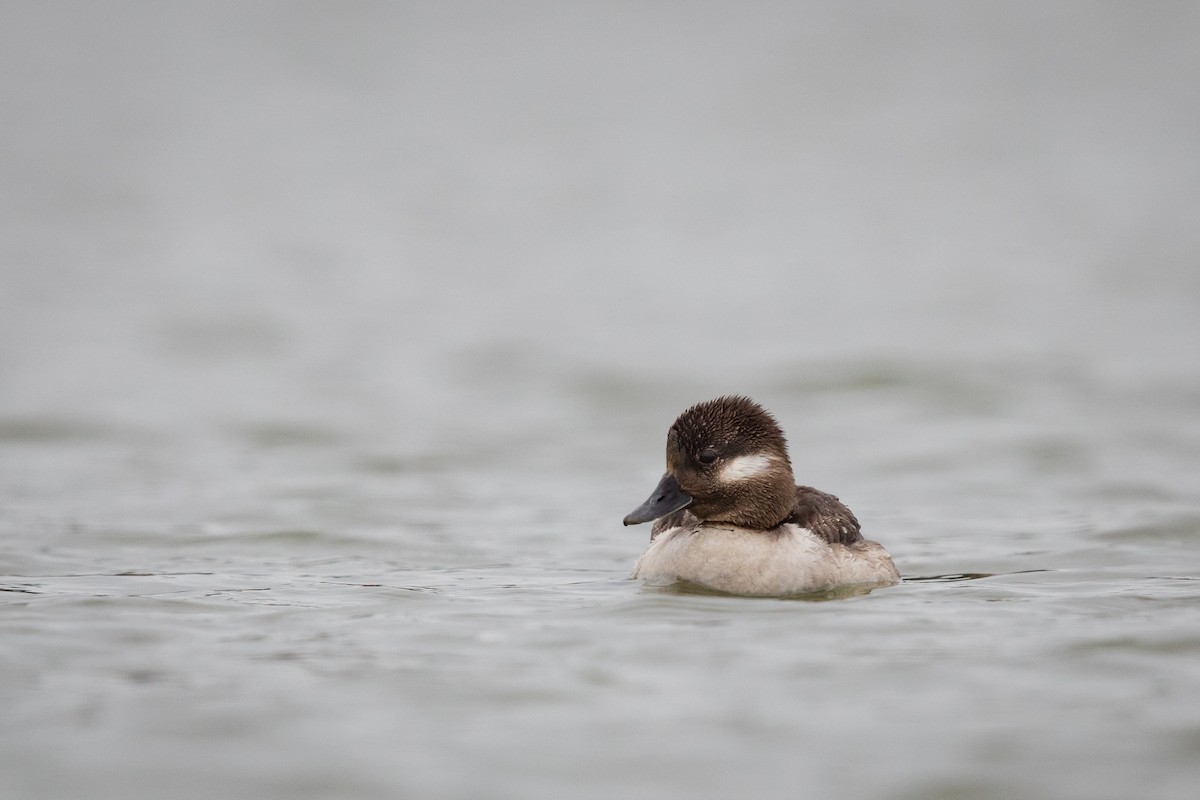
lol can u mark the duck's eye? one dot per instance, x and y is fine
(708, 455)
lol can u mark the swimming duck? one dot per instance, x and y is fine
(730, 517)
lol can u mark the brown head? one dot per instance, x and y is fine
(727, 461)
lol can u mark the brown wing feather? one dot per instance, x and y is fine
(826, 516)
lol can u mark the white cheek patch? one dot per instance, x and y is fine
(746, 467)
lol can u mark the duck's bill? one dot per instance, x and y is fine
(666, 498)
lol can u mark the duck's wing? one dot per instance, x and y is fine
(825, 515)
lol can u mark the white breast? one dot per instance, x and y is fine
(789, 560)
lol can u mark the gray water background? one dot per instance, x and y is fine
(336, 339)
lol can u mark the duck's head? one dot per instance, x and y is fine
(727, 461)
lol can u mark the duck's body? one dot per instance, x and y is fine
(787, 560)
(730, 517)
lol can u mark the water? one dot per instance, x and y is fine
(335, 343)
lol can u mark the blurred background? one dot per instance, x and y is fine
(269, 209)
(413, 290)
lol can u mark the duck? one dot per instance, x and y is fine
(729, 517)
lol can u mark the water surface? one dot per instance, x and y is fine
(336, 342)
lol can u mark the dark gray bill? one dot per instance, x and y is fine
(667, 497)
